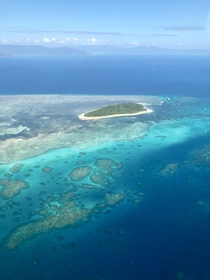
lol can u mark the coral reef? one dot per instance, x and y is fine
(80, 173)
(59, 212)
(16, 167)
(107, 164)
(169, 169)
(89, 186)
(98, 177)
(113, 198)
(201, 157)
(11, 188)
(47, 169)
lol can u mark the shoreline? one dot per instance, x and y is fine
(82, 116)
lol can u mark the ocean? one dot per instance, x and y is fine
(106, 75)
(116, 198)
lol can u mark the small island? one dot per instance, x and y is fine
(116, 110)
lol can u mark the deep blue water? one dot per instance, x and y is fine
(122, 75)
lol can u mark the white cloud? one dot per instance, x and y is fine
(134, 44)
(76, 39)
(37, 41)
(50, 40)
(53, 41)
(94, 41)
(185, 44)
(46, 40)
(5, 41)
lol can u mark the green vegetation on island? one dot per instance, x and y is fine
(117, 109)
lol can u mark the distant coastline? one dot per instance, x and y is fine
(142, 110)
(31, 50)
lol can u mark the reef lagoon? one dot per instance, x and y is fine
(114, 198)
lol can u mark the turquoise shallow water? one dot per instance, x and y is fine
(158, 230)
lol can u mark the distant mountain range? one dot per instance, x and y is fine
(21, 50)
(17, 50)
(4, 55)
(141, 50)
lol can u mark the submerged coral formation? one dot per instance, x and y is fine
(89, 186)
(10, 188)
(98, 177)
(113, 198)
(169, 169)
(102, 168)
(80, 173)
(201, 157)
(107, 164)
(47, 169)
(16, 167)
(58, 212)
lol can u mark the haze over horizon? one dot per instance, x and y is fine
(178, 25)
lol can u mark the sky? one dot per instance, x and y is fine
(126, 23)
